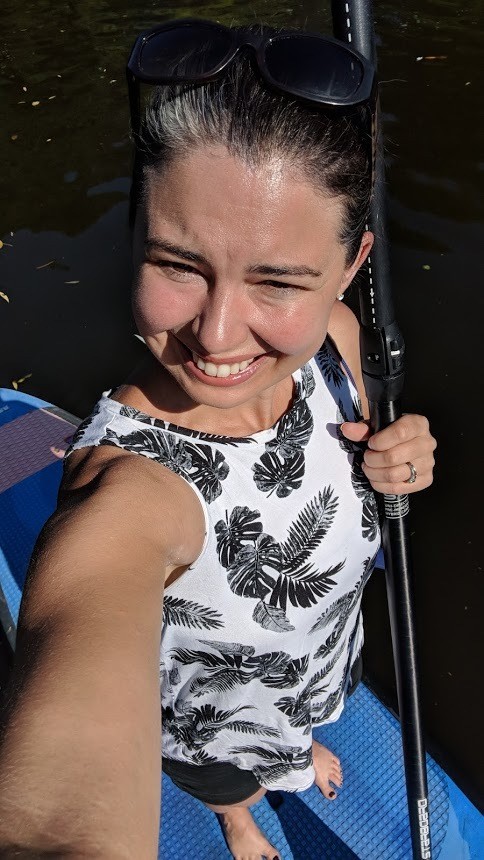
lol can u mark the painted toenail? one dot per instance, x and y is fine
(332, 794)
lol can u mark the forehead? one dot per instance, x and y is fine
(216, 200)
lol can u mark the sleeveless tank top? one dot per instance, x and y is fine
(260, 633)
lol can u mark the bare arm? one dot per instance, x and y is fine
(80, 756)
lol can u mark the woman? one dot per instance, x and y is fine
(250, 516)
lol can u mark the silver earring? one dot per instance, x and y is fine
(340, 297)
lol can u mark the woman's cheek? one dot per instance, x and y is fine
(157, 310)
(298, 332)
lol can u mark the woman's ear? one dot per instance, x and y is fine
(366, 245)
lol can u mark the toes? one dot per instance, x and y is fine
(329, 792)
(336, 776)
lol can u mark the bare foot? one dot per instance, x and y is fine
(245, 840)
(328, 769)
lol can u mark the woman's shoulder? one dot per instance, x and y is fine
(344, 331)
(168, 506)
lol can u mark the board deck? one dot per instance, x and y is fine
(368, 821)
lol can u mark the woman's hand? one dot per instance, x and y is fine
(407, 440)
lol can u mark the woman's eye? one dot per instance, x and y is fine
(280, 288)
(171, 267)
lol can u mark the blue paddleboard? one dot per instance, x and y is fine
(368, 821)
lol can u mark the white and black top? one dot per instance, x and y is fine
(260, 633)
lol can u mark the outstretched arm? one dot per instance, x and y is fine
(80, 756)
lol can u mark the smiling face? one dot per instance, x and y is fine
(234, 265)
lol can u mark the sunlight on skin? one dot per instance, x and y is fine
(234, 218)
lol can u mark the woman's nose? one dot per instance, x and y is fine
(220, 326)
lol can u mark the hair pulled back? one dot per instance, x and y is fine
(258, 125)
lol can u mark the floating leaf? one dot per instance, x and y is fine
(13, 136)
(51, 97)
(43, 266)
(17, 382)
(4, 296)
(48, 140)
(72, 282)
(24, 89)
(34, 104)
(426, 268)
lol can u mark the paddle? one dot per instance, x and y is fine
(382, 351)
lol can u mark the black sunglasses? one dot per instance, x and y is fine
(316, 69)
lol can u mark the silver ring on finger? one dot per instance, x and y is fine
(413, 474)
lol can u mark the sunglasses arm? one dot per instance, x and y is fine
(134, 102)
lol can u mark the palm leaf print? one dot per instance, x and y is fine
(253, 729)
(332, 612)
(202, 757)
(283, 476)
(277, 669)
(332, 640)
(186, 613)
(219, 681)
(304, 586)
(271, 618)
(247, 576)
(84, 427)
(369, 517)
(233, 648)
(297, 709)
(130, 412)
(210, 469)
(309, 529)
(293, 432)
(307, 380)
(281, 760)
(243, 525)
(197, 727)
(162, 447)
(211, 437)
(324, 672)
(363, 489)
(330, 367)
(322, 712)
(174, 676)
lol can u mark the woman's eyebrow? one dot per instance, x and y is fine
(177, 250)
(257, 269)
(295, 271)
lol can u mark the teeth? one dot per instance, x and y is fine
(219, 369)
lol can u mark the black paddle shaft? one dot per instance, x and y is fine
(382, 356)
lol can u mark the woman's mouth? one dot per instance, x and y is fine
(223, 374)
(220, 370)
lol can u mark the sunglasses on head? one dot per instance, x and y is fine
(317, 69)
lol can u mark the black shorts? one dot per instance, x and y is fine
(222, 783)
(219, 784)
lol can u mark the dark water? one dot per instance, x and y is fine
(65, 166)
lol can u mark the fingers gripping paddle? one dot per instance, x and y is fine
(382, 350)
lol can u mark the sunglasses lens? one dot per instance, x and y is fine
(312, 69)
(184, 52)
